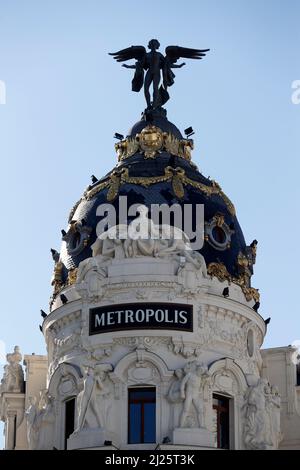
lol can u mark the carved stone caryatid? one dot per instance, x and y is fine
(262, 419)
(191, 391)
(45, 421)
(273, 405)
(174, 395)
(31, 415)
(13, 377)
(40, 417)
(93, 401)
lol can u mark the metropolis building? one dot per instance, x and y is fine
(151, 341)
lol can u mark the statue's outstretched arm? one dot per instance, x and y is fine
(129, 66)
(177, 66)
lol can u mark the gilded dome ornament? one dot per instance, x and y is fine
(72, 276)
(119, 177)
(220, 271)
(151, 141)
(218, 233)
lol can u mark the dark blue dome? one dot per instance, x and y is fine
(162, 179)
(159, 121)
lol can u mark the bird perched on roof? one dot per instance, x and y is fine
(43, 314)
(55, 255)
(63, 298)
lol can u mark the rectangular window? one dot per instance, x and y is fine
(221, 409)
(69, 419)
(141, 415)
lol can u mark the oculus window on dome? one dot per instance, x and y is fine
(218, 233)
(77, 237)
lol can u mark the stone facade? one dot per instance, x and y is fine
(151, 341)
(221, 355)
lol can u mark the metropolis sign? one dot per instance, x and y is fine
(138, 316)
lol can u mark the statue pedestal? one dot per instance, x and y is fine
(88, 438)
(193, 437)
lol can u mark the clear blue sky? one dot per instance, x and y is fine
(66, 97)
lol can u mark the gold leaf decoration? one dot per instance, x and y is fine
(72, 276)
(118, 178)
(152, 140)
(114, 186)
(171, 143)
(219, 270)
(177, 182)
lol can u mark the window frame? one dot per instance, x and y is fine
(228, 410)
(69, 399)
(130, 401)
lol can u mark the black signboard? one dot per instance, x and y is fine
(138, 316)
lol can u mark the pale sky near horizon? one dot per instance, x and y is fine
(65, 98)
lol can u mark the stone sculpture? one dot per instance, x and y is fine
(13, 377)
(142, 238)
(91, 401)
(31, 420)
(262, 419)
(190, 391)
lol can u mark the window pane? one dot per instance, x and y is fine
(135, 420)
(224, 430)
(69, 418)
(142, 415)
(149, 422)
(221, 410)
(143, 395)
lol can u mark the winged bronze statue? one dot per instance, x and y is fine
(157, 66)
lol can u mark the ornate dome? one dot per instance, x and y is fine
(154, 167)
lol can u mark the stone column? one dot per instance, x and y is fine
(10, 430)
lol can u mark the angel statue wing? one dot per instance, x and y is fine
(134, 52)
(173, 53)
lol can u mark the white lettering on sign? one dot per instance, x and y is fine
(99, 320)
(128, 314)
(139, 316)
(182, 316)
